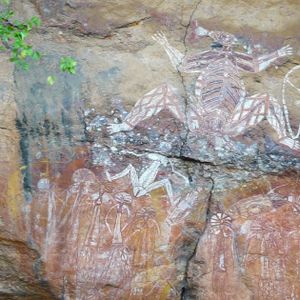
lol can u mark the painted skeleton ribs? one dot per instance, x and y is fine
(220, 103)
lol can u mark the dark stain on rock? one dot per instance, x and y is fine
(47, 127)
(67, 125)
(25, 152)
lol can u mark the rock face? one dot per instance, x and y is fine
(166, 168)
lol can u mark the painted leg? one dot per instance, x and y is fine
(163, 97)
(123, 173)
(148, 177)
(162, 183)
(130, 170)
(276, 119)
(252, 110)
(249, 112)
(195, 113)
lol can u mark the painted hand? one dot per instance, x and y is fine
(160, 38)
(115, 128)
(285, 51)
(194, 125)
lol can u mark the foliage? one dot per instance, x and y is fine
(68, 64)
(51, 80)
(5, 2)
(13, 35)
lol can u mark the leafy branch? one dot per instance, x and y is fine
(13, 35)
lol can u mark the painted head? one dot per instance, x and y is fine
(201, 31)
(221, 39)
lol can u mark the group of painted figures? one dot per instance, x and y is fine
(255, 242)
(109, 230)
(103, 234)
(121, 230)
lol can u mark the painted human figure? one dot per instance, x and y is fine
(293, 265)
(220, 103)
(48, 198)
(268, 238)
(80, 198)
(143, 233)
(268, 243)
(224, 262)
(144, 183)
(117, 269)
(78, 219)
(89, 247)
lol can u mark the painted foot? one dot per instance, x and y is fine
(115, 128)
(294, 145)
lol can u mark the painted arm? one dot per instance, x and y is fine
(258, 64)
(264, 61)
(185, 64)
(107, 216)
(175, 56)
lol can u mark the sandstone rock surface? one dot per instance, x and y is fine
(136, 180)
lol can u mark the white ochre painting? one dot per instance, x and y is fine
(112, 221)
(220, 104)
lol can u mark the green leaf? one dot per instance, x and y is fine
(36, 55)
(6, 15)
(13, 34)
(22, 65)
(36, 21)
(4, 38)
(21, 35)
(51, 80)
(6, 2)
(23, 54)
(68, 65)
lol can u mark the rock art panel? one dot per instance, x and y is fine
(114, 218)
(220, 108)
(172, 197)
(252, 247)
(114, 232)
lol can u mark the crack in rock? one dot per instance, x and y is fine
(186, 285)
(186, 96)
(111, 33)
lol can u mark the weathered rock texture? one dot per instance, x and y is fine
(199, 198)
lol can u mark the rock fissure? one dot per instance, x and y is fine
(132, 23)
(256, 167)
(186, 284)
(186, 96)
(6, 129)
(76, 28)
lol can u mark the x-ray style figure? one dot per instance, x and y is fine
(220, 103)
(145, 183)
(143, 234)
(269, 237)
(182, 207)
(123, 200)
(221, 238)
(119, 255)
(267, 241)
